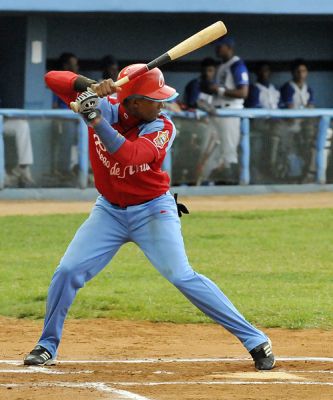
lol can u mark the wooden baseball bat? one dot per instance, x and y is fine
(194, 42)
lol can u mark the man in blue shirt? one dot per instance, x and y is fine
(198, 92)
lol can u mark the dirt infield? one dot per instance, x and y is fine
(197, 203)
(105, 359)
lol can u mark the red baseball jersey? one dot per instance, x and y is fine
(132, 174)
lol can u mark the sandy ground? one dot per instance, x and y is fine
(106, 340)
(197, 203)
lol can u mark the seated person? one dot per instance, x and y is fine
(21, 174)
(197, 92)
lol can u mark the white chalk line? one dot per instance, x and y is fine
(312, 372)
(99, 386)
(222, 383)
(42, 370)
(49, 371)
(174, 360)
(102, 387)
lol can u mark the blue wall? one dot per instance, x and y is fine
(213, 6)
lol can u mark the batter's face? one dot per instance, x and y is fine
(143, 109)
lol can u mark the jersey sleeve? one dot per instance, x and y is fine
(62, 84)
(252, 100)
(109, 109)
(240, 73)
(311, 97)
(287, 94)
(192, 90)
(160, 134)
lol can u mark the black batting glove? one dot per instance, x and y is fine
(181, 208)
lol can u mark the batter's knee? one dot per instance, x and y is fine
(180, 278)
(67, 272)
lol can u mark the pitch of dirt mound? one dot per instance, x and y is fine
(195, 203)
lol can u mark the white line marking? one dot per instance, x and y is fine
(222, 383)
(312, 372)
(190, 360)
(172, 360)
(163, 372)
(99, 386)
(42, 370)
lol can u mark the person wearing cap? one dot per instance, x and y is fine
(110, 67)
(128, 140)
(230, 91)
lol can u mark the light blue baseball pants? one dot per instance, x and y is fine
(155, 227)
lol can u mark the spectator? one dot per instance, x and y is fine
(198, 92)
(110, 68)
(229, 92)
(300, 143)
(21, 174)
(263, 94)
(264, 132)
(296, 93)
(65, 157)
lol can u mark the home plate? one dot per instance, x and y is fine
(262, 375)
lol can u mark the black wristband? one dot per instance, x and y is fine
(82, 83)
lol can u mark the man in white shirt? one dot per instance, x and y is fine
(229, 92)
(264, 132)
(297, 94)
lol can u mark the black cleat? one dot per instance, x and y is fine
(39, 356)
(263, 356)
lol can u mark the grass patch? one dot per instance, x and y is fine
(275, 266)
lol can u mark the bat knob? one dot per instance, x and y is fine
(74, 106)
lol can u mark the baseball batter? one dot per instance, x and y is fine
(129, 136)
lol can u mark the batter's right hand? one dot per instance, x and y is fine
(104, 88)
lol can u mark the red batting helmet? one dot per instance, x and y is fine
(149, 85)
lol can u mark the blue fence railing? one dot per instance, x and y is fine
(324, 115)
